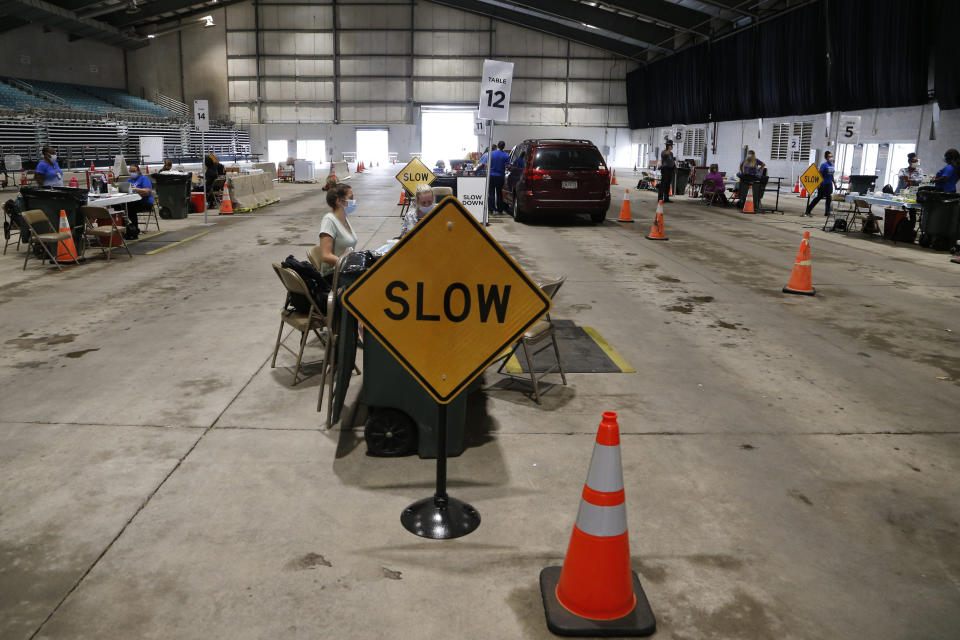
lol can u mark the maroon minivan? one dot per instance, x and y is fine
(556, 176)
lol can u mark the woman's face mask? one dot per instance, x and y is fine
(53, 157)
(350, 207)
(425, 209)
(134, 174)
(914, 164)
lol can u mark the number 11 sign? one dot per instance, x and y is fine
(495, 90)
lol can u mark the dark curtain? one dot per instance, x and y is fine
(946, 54)
(879, 53)
(878, 58)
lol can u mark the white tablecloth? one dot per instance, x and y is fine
(882, 202)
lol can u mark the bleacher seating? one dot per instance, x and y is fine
(99, 101)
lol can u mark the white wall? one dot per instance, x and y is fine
(29, 52)
(902, 124)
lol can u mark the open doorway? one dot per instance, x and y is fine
(313, 150)
(446, 134)
(277, 151)
(373, 146)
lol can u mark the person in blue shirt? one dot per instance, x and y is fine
(946, 179)
(48, 172)
(142, 186)
(825, 190)
(498, 165)
(481, 167)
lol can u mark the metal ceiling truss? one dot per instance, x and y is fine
(54, 16)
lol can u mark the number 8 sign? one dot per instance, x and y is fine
(495, 90)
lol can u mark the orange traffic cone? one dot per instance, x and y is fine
(796, 186)
(625, 208)
(748, 203)
(656, 231)
(403, 197)
(595, 593)
(226, 205)
(801, 279)
(66, 250)
(614, 179)
(803, 191)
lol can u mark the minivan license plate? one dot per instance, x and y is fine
(569, 184)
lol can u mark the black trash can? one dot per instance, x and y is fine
(173, 194)
(53, 200)
(940, 223)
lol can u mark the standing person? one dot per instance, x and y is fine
(751, 166)
(911, 175)
(946, 179)
(825, 190)
(336, 234)
(498, 164)
(668, 166)
(481, 166)
(424, 200)
(48, 173)
(142, 186)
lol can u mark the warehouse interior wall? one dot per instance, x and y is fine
(878, 126)
(30, 52)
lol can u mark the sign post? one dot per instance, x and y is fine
(201, 120)
(446, 301)
(495, 84)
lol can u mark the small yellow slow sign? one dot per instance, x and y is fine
(811, 178)
(415, 174)
(447, 300)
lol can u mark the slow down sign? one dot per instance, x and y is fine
(446, 300)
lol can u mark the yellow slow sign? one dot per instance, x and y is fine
(446, 300)
(415, 174)
(811, 178)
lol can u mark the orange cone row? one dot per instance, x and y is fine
(596, 593)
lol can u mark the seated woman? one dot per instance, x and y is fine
(336, 234)
(713, 187)
(423, 201)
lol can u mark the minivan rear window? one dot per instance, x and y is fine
(571, 158)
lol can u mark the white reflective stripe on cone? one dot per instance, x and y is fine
(606, 472)
(603, 522)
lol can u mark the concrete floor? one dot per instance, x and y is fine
(791, 463)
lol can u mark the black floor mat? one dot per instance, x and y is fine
(582, 350)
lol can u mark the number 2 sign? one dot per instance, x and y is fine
(495, 90)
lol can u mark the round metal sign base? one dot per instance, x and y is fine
(440, 518)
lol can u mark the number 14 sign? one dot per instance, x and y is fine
(495, 90)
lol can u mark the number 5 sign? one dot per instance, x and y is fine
(495, 90)
(849, 129)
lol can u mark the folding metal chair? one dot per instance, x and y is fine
(11, 226)
(100, 225)
(36, 220)
(154, 213)
(838, 206)
(863, 212)
(302, 321)
(539, 332)
(333, 337)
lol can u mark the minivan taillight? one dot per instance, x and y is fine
(602, 172)
(534, 174)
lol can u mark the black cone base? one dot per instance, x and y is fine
(440, 519)
(638, 623)
(812, 291)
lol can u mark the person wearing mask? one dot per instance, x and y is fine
(440, 169)
(946, 179)
(498, 165)
(668, 165)
(48, 172)
(911, 175)
(825, 190)
(142, 186)
(751, 166)
(424, 200)
(713, 186)
(212, 170)
(481, 168)
(336, 233)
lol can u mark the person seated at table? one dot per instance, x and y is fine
(48, 172)
(213, 170)
(911, 175)
(713, 186)
(946, 179)
(441, 168)
(143, 187)
(336, 234)
(423, 204)
(167, 166)
(751, 166)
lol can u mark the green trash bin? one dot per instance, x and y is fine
(402, 415)
(173, 194)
